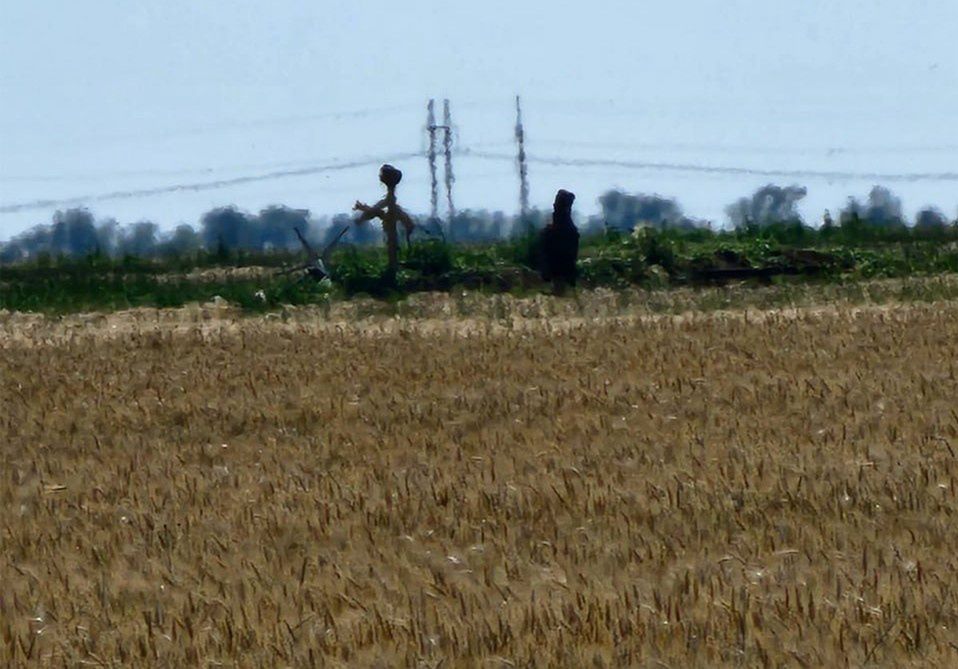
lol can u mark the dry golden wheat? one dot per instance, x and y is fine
(606, 487)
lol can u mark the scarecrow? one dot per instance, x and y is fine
(389, 212)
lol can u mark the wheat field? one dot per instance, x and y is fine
(526, 484)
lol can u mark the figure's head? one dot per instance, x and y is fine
(390, 176)
(564, 200)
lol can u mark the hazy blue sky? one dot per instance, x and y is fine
(103, 96)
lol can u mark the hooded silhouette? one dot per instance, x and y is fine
(559, 243)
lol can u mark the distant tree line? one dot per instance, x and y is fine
(774, 205)
(75, 232)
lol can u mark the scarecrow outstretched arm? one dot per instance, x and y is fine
(375, 211)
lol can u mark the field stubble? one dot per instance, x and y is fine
(618, 488)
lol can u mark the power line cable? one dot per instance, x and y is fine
(158, 172)
(201, 186)
(229, 126)
(831, 175)
(546, 160)
(826, 151)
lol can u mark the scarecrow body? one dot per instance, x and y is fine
(390, 213)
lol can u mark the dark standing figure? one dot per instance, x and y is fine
(559, 243)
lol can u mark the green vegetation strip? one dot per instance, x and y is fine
(788, 256)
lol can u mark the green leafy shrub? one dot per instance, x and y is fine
(430, 257)
(656, 248)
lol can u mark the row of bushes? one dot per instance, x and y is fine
(645, 257)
